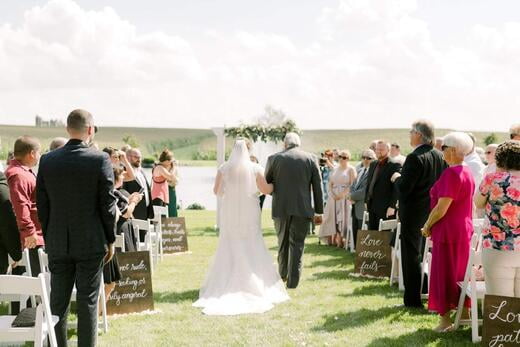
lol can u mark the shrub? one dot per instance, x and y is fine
(148, 161)
(195, 206)
(491, 138)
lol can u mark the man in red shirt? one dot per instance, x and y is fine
(22, 189)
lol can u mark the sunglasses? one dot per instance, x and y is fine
(344, 158)
(512, 136)
(488, 152)
(366, 158)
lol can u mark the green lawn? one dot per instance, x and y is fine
(330, 307)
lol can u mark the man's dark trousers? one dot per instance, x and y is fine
(85, 272)
(291, 232)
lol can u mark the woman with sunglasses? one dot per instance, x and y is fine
(336, 216)
(450, 226)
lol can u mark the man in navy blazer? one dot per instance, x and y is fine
(77, 210)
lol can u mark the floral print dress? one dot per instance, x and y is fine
(501, 229)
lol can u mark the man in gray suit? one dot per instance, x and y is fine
(358, 191)
(294, 174)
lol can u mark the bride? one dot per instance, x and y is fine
(243, 277)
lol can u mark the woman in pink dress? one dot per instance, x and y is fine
(450, 226)
(336, 215)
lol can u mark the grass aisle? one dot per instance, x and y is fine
(328, 308)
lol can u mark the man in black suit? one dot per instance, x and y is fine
(9, 235)
(144, 209)
(381, 195)
(420, 171)
(77, 210)
(295, 175)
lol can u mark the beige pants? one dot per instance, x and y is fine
(502, 272)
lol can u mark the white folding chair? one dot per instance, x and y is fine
(426, 265)
(396, 275)
(144, 225)
(364, 223)
(43, 329)
(25, 262)
(120, 242)
(349, 242)
(159, 212)
(390, 224)
(44, 266)
(474, 289)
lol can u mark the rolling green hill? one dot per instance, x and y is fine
(196, 144)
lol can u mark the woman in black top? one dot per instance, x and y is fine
(125, 204)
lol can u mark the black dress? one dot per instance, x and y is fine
(111, 271)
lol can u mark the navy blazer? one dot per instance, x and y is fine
(75, 200)
(385, 193)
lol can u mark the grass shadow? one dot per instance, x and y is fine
(362, 317)
(422, 337)
(382, 289)
(330, 275)
(176, 297)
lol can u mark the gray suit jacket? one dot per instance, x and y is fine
(358, 193)
(295, 174)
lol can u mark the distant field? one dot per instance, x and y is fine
(187, 144)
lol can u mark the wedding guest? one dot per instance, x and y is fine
(143, 210)
(358, 192)
(172, 185)
(438, 143)
(126, 204)
(514, 132)
(373, 145)
(336, 216)
(450, 226)
(57, 142)
(500, 195)
(77, 208)
(381, 195)
(126, 148)
(326, 167)
(421, 170)
(475, 164)
(119, 159)
(482, 155)
(22, 189)
(9, 235)
(162, 173)
(395, 153)
(490, 159)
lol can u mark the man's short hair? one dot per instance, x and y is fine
(57, 143)
(24, 145)
(425, 129)
(79, 120)
(383, 142)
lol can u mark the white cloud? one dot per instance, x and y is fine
(373, 63)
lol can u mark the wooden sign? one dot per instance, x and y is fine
(501, 325)
(373, 253)
(174, 235)
(133, 293)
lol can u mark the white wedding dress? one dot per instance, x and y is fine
(243, 277)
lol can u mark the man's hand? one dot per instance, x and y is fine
(31, 241)
(390, 212)
(13, 265)
(318, 219)
(110, 253)
(395, 176)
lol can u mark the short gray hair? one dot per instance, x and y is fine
(292, 140)
(425, 129)
(462, 142)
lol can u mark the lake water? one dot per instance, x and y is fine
(195, 185)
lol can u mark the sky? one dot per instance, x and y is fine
(327, 64)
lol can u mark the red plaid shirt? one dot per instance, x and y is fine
(22, 190)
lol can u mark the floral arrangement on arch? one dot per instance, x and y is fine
(272, 126)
